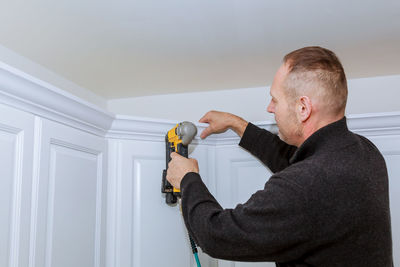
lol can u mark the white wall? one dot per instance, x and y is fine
(366, 95)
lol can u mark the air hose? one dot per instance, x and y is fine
(194, 250)
(192, 243)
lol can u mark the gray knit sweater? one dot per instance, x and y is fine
(326, 204)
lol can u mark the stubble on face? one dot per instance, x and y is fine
(289, 129)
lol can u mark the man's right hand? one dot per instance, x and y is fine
(222, 121)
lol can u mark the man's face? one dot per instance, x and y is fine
(283, 109)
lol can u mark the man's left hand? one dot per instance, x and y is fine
(178, 167)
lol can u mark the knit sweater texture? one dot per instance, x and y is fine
(326, 204)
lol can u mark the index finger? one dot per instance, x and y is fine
(205, 118)
(206, 132)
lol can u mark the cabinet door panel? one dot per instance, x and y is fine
(16, 152)
(148, 231)
(70, 198)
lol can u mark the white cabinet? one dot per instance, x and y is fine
(16, 153)
(69, 198)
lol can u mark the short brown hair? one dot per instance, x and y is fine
(319, 69)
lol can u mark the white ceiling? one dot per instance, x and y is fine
(133, 48)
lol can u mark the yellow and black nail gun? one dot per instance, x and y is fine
(176, 140)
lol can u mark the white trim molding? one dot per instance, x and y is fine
(139, 128)
(149, 129)
(374, 124)
(27, 93)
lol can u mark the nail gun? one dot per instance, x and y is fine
(176, 140)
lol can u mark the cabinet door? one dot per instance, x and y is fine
(148, 232)
(238, 176)
(16, 152)
(390, 148)
(69, 198)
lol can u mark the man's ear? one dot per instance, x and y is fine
(304, 108)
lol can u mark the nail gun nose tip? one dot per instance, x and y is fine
(187, 131)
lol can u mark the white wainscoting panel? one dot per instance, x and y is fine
(69, 198)
(239, 175)
(390, 148)
(16, 152)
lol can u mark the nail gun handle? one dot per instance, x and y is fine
(183, 150)
(172, 193)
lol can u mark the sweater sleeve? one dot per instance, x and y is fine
(267, 147)
(270, 226)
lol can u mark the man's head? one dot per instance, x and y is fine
(309, 91)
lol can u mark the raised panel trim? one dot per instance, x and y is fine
(137, 194)
(235, 165)
(14, 238)
(35, 189)
(50, 208)
(113, 204)
(99, 211)
(61, 143)
(53, 144)
(9, 129)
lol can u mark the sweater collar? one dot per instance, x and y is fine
(325, 137)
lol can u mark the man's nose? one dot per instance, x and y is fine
(270, 108)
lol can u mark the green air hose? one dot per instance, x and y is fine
(194, 249)
(192, 243)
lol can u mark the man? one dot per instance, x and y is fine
(327, 202)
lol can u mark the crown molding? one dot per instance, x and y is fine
(150, 129)
(27, 93)
(139, 128)
(374, 124)
(24, 92)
